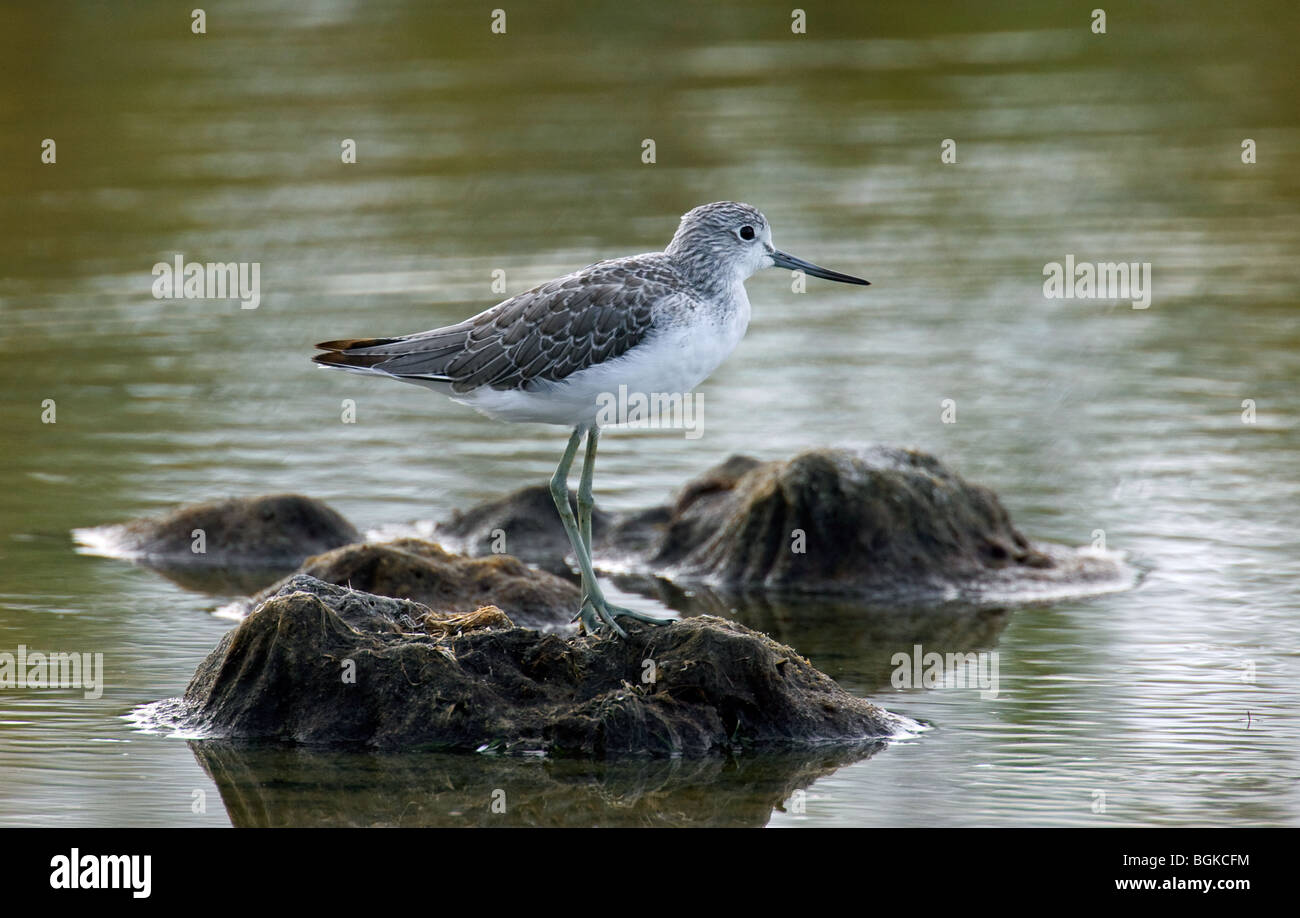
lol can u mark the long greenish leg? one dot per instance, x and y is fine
(585, 500)
(595, 608)
(560, 494)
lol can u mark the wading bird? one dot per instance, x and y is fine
(655, 323)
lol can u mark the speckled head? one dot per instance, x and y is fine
(727, 242)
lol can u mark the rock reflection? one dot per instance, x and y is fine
(852, 641)
(273, 785)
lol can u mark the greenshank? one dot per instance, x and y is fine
(657, 324)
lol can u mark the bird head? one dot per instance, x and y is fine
(735, 241)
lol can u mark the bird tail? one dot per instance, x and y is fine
(339, 353)
(417, 357)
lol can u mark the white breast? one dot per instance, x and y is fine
(673, 360)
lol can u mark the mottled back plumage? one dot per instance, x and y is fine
(544, 334)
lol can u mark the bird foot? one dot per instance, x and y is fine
(598, 613)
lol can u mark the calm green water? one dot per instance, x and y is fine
(522, 152)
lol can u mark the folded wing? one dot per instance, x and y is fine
(543, 335)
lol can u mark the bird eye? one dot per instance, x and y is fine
(746, 232)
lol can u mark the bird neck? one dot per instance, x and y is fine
(713, 279)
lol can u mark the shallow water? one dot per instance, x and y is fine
(522, 153)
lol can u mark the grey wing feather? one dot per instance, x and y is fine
(545, 334)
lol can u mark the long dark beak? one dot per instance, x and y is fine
(782, 260)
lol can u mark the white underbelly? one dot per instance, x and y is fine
(673, 362)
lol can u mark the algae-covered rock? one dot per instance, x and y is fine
(880, 523)
(838, 521)
(318, 663)
(424, 572)
(274, 530)
(524, 524)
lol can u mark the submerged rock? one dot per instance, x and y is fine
(882, 523)
(318, 663)
(277, 530)
(831, 520)
(446, 583)
(524, 523)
